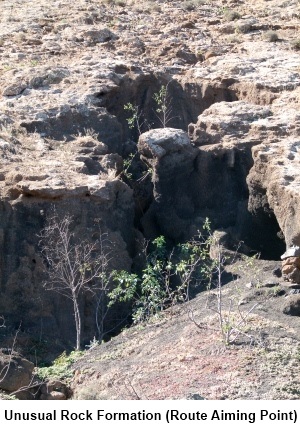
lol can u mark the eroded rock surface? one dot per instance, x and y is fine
(170, 156)
(264, 138)
(276, 175)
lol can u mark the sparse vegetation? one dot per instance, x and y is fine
(88, 133)
(232, 321)
(271, 36)
(231, 15)
(169, 277)
(192, 4)
(135, 119)
(127, 166)
(296, 44)
(163, 111)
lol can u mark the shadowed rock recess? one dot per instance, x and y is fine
(82, 133)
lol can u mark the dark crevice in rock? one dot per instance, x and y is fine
(260, 232)
(186, 100)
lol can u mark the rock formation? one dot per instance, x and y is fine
(230, 151)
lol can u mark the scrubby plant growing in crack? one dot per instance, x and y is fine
(163, 105)
(163, 111)
(135, 120)
(129, 173)
(127, 166)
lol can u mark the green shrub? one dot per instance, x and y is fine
(166, 280)
(60, 369)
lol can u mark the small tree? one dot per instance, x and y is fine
(231, 319)
(163, 105)
(73, 267)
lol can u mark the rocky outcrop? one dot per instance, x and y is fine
(226, 121)
(194, 182)
(54, 390)
(76, 178)
(267, 147)
(170, 157)
(227, 174)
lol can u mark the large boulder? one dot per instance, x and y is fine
(291, 264)
(15, 372)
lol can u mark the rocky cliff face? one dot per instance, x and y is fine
(275, 174)
(230, 151)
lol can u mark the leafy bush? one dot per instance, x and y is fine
(136, 120)
(166, 280)
(134, 115)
